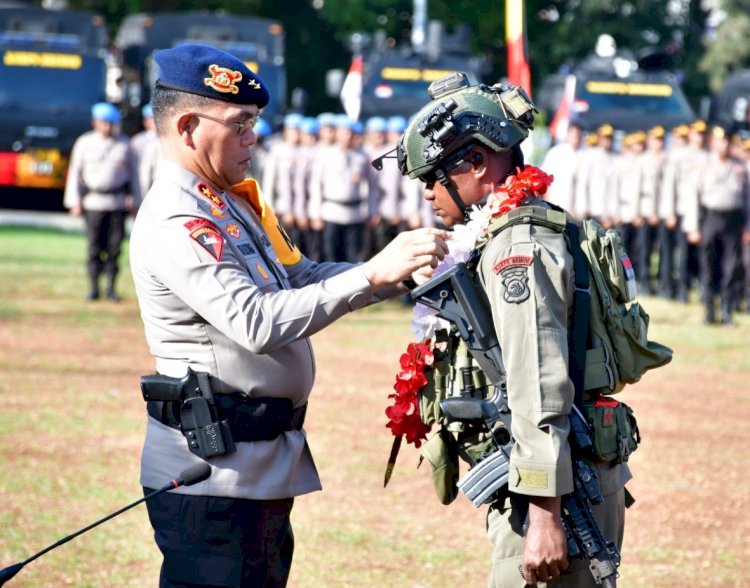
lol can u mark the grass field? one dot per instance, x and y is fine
(72, 421)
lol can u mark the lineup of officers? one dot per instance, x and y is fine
(680, 198)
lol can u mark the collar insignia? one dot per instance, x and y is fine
(233, 230)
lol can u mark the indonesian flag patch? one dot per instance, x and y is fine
(207, 235)
(630, 284)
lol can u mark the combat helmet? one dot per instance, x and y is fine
(459, 116)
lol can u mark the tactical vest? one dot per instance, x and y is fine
(618, 352)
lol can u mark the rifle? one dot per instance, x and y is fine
(456, 296)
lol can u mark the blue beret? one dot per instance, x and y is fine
(327, 119)
(262, 128)
(358, 127)
(397, 124)
(210, 72)
(343, 122)
(106, 112)
(375, 124)
(310, 126)
(147, 111)
(293, 120)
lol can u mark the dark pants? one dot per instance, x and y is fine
(667, 261)
(343, 242)
(646, 238)
(104, 233)
(688, 266)
(228, 542)
(721, 256)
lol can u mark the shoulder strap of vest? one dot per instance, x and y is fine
(553, 217)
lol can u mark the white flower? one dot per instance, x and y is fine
(463, 241)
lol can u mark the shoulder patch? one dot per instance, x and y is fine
(513, 261)
(207, 235)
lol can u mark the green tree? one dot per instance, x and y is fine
(728, 48)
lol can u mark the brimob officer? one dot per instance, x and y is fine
(102, 185)
(226, 295)
(463, 145)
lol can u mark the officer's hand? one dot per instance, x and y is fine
(303, 223)
(746, 236)
(694, 237)
(545, 551)
(316, 224)
(407, 253)
(671, 222)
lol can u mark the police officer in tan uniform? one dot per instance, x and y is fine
(527, 273)
(724, 198)
(102, 186)
(224, 292)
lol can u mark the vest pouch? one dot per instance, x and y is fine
(636, 354)
(441, 451)
(438, 381)
(614, 430)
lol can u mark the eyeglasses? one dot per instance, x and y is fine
(242, 126)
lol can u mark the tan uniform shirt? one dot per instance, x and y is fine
(339, 187)
(278, 171)
(652, 165)
(102, 173)
(214, 296)
(689, 187)
(527, 272)
(629, 186)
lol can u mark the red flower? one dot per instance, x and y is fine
(525, 184)
(403, 414)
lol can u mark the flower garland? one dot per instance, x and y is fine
(403, 414)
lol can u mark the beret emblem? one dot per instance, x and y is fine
(223, 79)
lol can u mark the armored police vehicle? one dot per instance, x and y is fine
(730, 107)
(616, 89)
(259, 42)
(395, 78)
(53, 69)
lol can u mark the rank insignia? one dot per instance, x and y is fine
(223, 79)
(207, 235)
(233, 230)
(207, 192)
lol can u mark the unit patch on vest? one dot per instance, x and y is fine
(207, 192)
(207, 235)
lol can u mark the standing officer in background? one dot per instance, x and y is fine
(527, 274)
(669, 218)
(278, 169)
(340, 200)
(724, 198)
(653, 160)
(596, 178)
(102, 185)
(561, 161)
(224, 292)
(145, 146)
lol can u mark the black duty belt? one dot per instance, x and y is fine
(250, 419)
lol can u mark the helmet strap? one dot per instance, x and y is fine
(451, 189)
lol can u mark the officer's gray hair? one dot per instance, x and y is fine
(166, 101)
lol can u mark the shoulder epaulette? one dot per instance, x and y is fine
(535, 215)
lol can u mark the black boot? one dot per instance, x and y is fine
(111, 293)
(726, 315)
(710, 313)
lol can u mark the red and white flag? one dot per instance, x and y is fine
(351, 90)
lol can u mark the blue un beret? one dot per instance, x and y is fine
(210, 72)
(106, 112)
